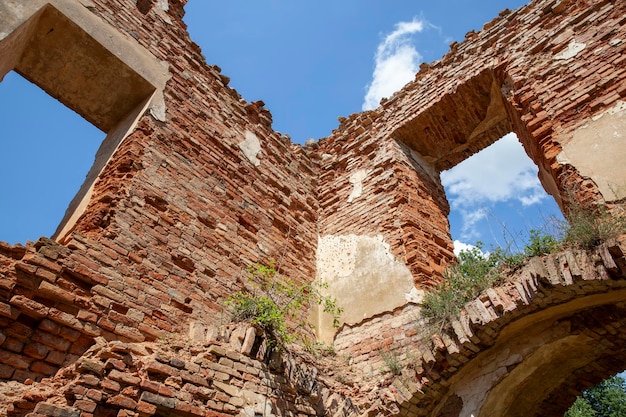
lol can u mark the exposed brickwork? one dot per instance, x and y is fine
(429, 363)
(182, 208)
(173, 378)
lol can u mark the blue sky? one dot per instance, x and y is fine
(310, 62)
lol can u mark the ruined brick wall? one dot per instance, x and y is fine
(373, 185)
(522, 73)
(174, 218)
(188, 200)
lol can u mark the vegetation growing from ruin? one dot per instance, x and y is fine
(477, 270)
(273, 302)
(392, 362)
(586, 229)
(474, 272)
(607, 399)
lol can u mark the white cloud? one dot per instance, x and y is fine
(396, 62)
(502, 172)
(461, 247)
(498, 174)
(470, 218)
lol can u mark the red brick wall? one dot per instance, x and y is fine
(174, 219)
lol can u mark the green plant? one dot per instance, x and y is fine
(540, 244)
(463, 281)
(475, 271)
(273, 301)
(319, 349)
(587, 228)
(392, 361)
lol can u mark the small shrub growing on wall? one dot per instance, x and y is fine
(273, 301)
(588, 228)
(474, 272)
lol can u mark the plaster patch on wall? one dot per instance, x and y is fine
(251, 148)
(571, 51)
(598, 151)
(356, 179)
(163, 5)
(364, 277)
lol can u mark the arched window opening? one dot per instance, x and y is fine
(47, 152)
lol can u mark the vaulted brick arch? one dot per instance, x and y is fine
(552, 332)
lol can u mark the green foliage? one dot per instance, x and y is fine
(274, 301)
(607, 399)
(392, 362)
(580, 408)
(588, 228)
(319, 349)
(540, 244)
(474, 272)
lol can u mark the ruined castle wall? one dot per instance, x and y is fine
(182, 207)
(201, 187)
(553, 73)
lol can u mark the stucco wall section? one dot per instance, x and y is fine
(597, 150)
(364, 277)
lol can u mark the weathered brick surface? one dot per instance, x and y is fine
(180, 210)
(431, 357)
(177, 378)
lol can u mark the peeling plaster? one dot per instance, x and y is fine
(356, 179)
(364, 277)
(571, 51)
(597, 150)
(251, 148)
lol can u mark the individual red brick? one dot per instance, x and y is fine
(80, 345)
(36, 350)
(55, 357)
(43, 368)
(45, 275)
(13, 345)
(29, 307)
(110, 385)
(6, 371)
(49, 326)
(51, 340)
(146, 408)
(54, 292)
(85, 405)
(124, 377)
(14, 360)
(122, 402)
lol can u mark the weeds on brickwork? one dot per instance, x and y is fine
(273, 300)
(474, 272)
(319, 349)
(477, 270)
(588, 228)
(392, 362)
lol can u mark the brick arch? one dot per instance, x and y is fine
(529, 347)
